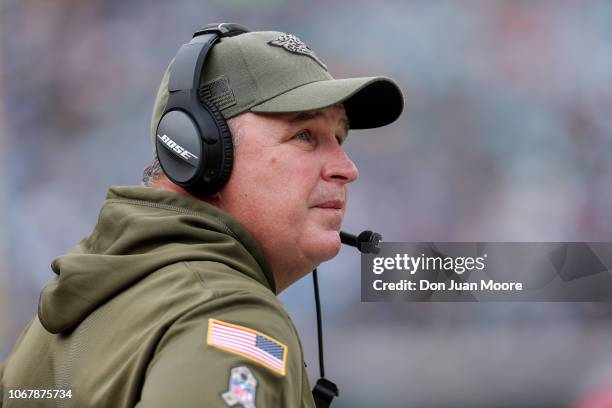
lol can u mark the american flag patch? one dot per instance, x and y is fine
(248, 343)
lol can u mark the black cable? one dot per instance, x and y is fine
(319, 323)
(324, 391)
(366, 242)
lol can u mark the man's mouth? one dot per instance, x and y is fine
(332, 204)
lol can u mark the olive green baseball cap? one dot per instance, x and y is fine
(275, 72)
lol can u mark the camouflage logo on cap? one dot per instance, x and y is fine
(293, 44)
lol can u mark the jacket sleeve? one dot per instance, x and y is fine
(190, 370)
(5, 364)
(1, 384)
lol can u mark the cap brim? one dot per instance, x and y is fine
(369, 102)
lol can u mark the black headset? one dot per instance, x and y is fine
(193, 141)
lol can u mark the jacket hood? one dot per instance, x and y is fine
(139, 231)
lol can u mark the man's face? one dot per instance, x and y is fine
(289, 186)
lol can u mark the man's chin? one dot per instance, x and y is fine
(326, 246)
(327, 218)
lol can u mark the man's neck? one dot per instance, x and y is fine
(163, 183)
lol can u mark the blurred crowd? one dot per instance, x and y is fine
(506, 136)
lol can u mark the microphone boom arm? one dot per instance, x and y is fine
(368, 242)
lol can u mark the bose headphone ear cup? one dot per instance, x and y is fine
(179, 147)
(223, 149)
(227, 151)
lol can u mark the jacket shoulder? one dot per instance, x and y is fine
(238, 337)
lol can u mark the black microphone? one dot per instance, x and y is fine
(368, 242)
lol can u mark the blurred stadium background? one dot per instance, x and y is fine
(506, 136)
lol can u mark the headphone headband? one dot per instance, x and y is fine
(190, 58)
(223, 29)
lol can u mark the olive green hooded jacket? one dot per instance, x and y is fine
(128, 319)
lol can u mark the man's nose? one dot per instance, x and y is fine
(340, 168)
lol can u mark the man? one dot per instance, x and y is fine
(171, 300)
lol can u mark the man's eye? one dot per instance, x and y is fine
(304, 136)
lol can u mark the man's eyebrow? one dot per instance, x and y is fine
(304, 116)
(309, 115)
